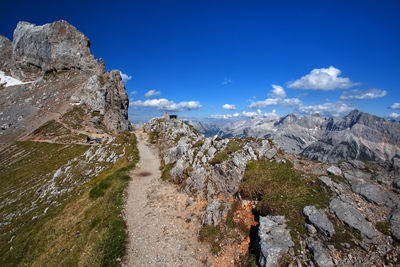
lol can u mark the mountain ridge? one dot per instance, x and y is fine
(358, 135)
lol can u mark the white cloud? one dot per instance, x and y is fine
(133, 93)
(363, 94)
(394, 115)
(226, 81)
(275, 102)
(395, 106)
(229, 106)
(247, 114)
(167, 105)
(278, 91)
(125, 77)
(225, 116)
(152, 93)
(325, 79)
(327, 109)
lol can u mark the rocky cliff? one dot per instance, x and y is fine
(48, 69)
(263, 206)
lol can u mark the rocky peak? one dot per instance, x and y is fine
(5, 53)
(52, 70)
(51, 47)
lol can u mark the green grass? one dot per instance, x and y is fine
(165, 174)
(281, 190)
(192, 128)
(212, 235)
(336, 179)
(248, 260)
(52, 128)
(74, 117)
(219, 158)
(82, 230)
(154, 137)
(383, 227)
(232, 147)
(199, 143)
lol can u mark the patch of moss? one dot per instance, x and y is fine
(248, 260)
(219, 158)
(232, 147)
(199, 143)
(383, 227)
(165, 175)
(336, 179)
(212, 235)
(176, 140)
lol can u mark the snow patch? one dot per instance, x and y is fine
(9, 81)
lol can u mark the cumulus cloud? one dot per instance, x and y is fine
(275, 102)
(125, 77)
(395, 106)
(133, 93)
(325, 79)
(394, 115)
(226, 81)
(363, 94)
(152, 93)
(167, 105)
(278, 91)
(229, 106)
(327, 109)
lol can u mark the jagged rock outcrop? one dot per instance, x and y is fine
(53, 69)
(353, 217)
(51, 47)
(5, 53)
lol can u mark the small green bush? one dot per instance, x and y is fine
(199, 143)
(165, 175)
(232, 147)
(219, 158)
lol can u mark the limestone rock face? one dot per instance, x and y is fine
(51, 47)
(275, 240)
(56, 70)
(5, 53)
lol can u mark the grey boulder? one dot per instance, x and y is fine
(274, 240)
(320, 221)
(334, 170)
(348, 214)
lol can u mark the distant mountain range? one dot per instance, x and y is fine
(356, 136)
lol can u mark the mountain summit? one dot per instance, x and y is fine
(48, 69)
(358, 135)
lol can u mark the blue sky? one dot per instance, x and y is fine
(323, 56)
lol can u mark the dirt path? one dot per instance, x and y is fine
(159, 232)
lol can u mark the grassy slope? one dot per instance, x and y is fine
(81, 231)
